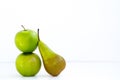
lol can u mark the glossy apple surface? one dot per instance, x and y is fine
(28, 64)
(26, 40)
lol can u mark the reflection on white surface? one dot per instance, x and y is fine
(73, 71)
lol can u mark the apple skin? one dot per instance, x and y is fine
(26, 40)
(28, 64)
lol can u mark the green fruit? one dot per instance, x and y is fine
(28, 64)
(26, 40)
(54, 64)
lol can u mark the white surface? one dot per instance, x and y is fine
(87, 70)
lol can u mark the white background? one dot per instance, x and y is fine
(85, 30)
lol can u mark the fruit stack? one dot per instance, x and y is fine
(29, 63)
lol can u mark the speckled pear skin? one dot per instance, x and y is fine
(54, 64)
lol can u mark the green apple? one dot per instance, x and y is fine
(26, 40)
(28, 64)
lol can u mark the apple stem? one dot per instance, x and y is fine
(38, 34)
(23, 27)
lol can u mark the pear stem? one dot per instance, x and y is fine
(23, 27)
(38, 34)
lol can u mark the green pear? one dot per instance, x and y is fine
(54, 64)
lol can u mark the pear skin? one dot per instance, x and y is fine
(54, 64)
